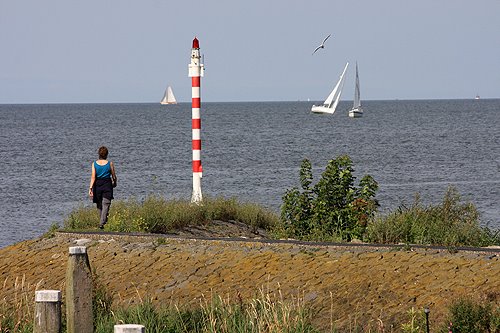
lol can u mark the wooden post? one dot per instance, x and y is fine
(79, 292)
(47, 311)
(129, 328)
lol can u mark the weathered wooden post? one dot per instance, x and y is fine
(79, 292)
(129, 328)
(47, 311)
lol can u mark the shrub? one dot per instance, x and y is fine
(468, 316)
(332, 208)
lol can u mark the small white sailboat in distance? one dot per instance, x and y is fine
(331, 102)
(168, 97)
(357, 110)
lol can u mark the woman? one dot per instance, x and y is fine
(102, 181)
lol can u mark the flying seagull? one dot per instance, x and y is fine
(322, 46)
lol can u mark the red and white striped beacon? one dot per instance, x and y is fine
(196, 70)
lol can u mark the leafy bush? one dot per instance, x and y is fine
(332, 208)
(450, 223)
(468, 316)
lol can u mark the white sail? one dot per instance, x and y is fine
(357, 110)
(164, 99)
(336, 102)
(168, 97)
(331, 102)
(357, 95)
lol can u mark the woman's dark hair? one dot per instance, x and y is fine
(103, 153)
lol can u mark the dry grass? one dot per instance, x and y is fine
(269, 312)
(18, 306)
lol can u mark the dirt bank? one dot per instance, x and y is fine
(348, 284)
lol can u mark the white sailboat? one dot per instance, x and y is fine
(357, 110)
(331, 102)
(168, 97)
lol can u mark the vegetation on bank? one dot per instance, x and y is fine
(267, 312)
(332, 209)
(157, 215)
(450, 223)
(17, 311)
(335, 208)
(270, 313)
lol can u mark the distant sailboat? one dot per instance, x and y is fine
(357, 110)
(331, 102)
(168, 97)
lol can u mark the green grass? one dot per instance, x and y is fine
(450, 223)
(158, 215)
(268, 312)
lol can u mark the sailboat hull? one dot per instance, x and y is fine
(356, 113)
(333, 99)
(322, 109)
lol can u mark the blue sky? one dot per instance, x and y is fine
(66, 51)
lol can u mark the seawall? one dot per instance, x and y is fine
(343, 284)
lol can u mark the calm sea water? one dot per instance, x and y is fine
(251, 151)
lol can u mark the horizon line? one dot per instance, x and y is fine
(263, 101)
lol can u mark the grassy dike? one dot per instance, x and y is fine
(193, 285)
(330, 288)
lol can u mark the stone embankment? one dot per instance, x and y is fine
(343, 284)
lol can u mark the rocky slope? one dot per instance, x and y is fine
(343, 284)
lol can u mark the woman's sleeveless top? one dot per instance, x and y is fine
(102, 171)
